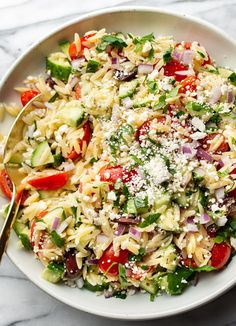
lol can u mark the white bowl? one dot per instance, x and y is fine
(138, 20)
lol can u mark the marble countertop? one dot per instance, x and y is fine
(21, 302)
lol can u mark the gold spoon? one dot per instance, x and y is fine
(14, 136)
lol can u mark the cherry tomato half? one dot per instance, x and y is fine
(172, 67)
(220, 255)
(21, 195)
(6, 184)
(73, 53)
(142, 131)
(108, 263)
(188, 84)
(86, 138)
(28, 95)
(111, 173)
(50, 182)
(206, 142)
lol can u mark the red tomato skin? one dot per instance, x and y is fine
(86, 137)
(224, 147)
(51, 182)
(39, 216)
(73, 53)
(145, 127)
(208, 61)
(111, 173)
(220, 255)
(6, 184)
(127, 176)
(171, 67)
(22, 195)
(108, 258)
(189, 263)
(188, 84)
(77, 92)
(28, 95)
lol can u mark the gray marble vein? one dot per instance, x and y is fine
(21, 23)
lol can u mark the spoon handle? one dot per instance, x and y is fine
(8, 223)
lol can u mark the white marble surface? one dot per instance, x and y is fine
(21, 23)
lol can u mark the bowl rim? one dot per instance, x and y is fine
(117, 9)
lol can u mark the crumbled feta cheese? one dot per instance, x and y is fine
(198, 124)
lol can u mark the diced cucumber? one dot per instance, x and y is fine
(72, 114)
(53, 273)
(127, 89)
(150, 286)
(131, 209)
(42, 155)
(225, 73)
(64, 46)
(162, 281)
(169, 258)
(141, 103)
(58, 66)
(23, 233)
(141, 204)
(95, 288)
(168, 221)
(44, 194)
(16, 158)
(182, 199)
(50, 216)
(200, 110)
(57, 239)
(137, 205)
(161, 201)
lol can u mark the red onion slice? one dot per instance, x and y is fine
(145, 69)
(132, 221)
(55, 223)
(187, 57)
(127, 102)
(101, 238)
(220, 193)
(115, 63)
(230, 97)
(215, 95)
(120, 229)
(62, 227)
(92, 261)
(204, 219)
(203, 155)
(77, 63)
(221, 221)
(176, 55)
(135, 233)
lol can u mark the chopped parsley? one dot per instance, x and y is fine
(122, 276)
(232, 78)
(138, 257)
(167, 56)
(178, 280)
(139, 42)
(92, 66)
(114, 41)
(201, 54)
(152, 86)
(150, 219)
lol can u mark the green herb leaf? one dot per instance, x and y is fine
(121, 295)
(233, 140)
(167, 56)
(161, 103)
(179, 114)
(178, 280)
(206, 268)
(216, 118)
(152, 86)
(219, 239)
(56, 267)
(58, 159)
(223, 174)
(201, 54)
(56, 239)
(138, 257)
(122, 276)
(92, 66)
(139, 42)
(114, 41)
(196, 106)
(151, 54)
(203, 197)
(152, 218)
(232, 78)
(53, 98)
